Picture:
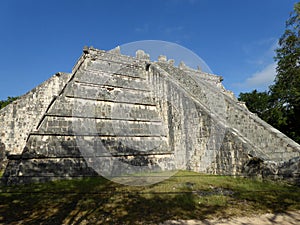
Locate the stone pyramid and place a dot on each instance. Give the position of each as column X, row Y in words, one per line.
column 116, row 115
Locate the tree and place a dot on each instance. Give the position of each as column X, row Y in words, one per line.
column 257, row 102
column 9, row 100
column 280, row 106
column 285, row 93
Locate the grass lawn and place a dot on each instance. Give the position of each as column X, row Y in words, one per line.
column 186, row 195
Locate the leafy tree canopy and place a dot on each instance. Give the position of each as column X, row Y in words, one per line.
column 9, row 100
column 256, row 102
column 280, row 106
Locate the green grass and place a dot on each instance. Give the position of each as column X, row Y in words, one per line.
column 186, row 195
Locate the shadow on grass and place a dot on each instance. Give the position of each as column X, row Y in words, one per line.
column 107, row 203
column 99, row 201
column 269, row 196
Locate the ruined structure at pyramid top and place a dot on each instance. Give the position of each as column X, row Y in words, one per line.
column 142, row 55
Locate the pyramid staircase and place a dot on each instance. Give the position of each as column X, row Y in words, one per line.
column 105, row 112
column 121, row 115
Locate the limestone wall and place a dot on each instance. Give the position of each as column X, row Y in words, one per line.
column 200, row 141
column 270, row 144
column 23, row 115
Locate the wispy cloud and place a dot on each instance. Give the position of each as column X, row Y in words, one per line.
column 259, row 57
column 261, row 52
column 176, row 33
column 261, row 79
column 175, row 29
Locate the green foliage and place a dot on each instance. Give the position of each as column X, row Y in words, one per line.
column 286, row 90
column 257, row 102
column 9, row 100
column 281, row 105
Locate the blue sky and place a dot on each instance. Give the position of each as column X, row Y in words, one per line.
column 236, row 38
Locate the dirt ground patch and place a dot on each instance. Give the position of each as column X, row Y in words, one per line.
column 288, row 218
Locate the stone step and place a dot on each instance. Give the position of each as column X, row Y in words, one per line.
column 186, row 83
column 125, row 73
column 48, row 146
column 111, row 67
column 139, row 87
column 283, row 156
column 209, row 95
column 111, row 80
column 112, row 94
column 40, row 170
column 74, row 107
column 108, row 56
column 100, row 127
column 46, row 169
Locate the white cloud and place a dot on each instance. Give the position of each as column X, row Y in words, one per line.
column 260, row 52
column 260, row 56
column 261, row 79
column 170, row 30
